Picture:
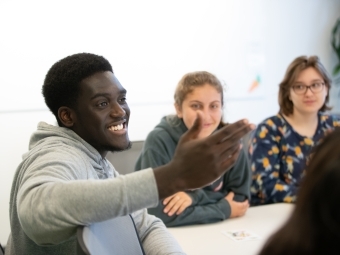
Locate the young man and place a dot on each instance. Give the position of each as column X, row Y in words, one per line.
column 65, row 180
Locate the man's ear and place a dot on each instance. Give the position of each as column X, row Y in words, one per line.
column 178, row 111
column 67, row 116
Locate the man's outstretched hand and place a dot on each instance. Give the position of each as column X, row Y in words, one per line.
column 198, row 162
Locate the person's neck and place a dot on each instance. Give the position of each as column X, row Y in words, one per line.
column 304, row 124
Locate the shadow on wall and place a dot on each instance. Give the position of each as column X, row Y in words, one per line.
column 124, row 161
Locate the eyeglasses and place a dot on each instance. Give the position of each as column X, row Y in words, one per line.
column 301, row 89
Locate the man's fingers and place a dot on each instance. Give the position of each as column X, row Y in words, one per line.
column 237, row 132
column 228, row 152
column 227, row 132
column 231, row 144
column 194, row 131
column 217, row 152
column 231, row 132
column 230, row 157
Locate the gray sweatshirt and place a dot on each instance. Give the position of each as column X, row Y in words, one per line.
column 63, row 182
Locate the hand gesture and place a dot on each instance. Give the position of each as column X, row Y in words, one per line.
column 188, row 168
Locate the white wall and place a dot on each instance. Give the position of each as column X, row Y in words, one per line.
column 150, row 45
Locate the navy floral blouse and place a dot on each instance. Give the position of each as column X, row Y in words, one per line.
column 279, row 156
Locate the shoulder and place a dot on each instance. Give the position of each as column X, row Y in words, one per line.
column 169, row 130
column 159, row 142
column 62, row 161
column 60, row 148
column 329, row 120
column 157, row 135
column 273, row 121
column 273, row 124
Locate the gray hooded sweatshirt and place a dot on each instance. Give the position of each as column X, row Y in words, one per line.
column 63, row 182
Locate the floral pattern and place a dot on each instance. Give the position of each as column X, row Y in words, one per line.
column 279, row 156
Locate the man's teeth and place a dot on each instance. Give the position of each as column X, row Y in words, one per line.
column 118, row 127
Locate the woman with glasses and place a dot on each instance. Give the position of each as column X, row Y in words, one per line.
column 281, row 144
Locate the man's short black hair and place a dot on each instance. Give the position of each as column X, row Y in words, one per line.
column 61, row 84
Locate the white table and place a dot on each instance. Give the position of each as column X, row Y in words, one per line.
column 208, row 239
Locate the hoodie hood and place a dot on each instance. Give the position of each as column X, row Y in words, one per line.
column 174, row 126
column 48, row 136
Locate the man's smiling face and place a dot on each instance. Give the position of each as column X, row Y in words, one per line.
column 102, row 113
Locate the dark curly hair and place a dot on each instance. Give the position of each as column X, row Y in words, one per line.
column 61, row 84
